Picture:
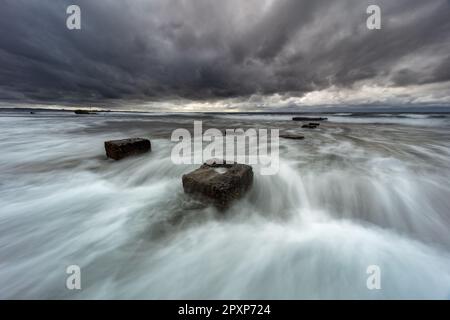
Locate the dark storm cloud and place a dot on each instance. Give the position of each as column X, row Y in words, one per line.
column 203, row 49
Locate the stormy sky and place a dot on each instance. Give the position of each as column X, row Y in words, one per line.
column 228, row 54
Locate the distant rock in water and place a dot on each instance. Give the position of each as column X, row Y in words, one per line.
column 292, row 136
column 119, row 149
column 219, row 182
column 83, row 112
column 308, row 119
column 310, row 125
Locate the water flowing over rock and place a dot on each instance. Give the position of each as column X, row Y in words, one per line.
column 219, row 182
column 336, row 205
column 119, row 149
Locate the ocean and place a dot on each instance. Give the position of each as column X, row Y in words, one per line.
column 362, row 189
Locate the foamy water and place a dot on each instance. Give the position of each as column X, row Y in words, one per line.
column 352, row 194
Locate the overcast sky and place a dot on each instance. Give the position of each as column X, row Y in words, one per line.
column 224, row 54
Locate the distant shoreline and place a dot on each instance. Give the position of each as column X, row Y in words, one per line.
column 396, row 110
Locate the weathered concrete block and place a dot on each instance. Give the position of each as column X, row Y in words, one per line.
column 219, row 183
column 119, row 149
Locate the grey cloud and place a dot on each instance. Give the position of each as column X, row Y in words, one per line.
column 206, row 50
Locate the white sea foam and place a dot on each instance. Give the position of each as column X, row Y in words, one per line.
column 339, row 203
